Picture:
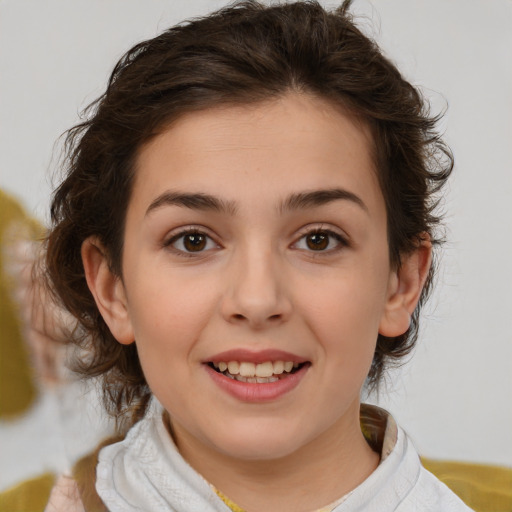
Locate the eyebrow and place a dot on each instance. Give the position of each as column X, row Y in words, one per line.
column 196, row 201
column 298, row 201
column 303, row 200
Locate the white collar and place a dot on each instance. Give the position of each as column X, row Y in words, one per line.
column 145, row 471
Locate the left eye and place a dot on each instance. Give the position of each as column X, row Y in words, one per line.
column 319, row 241
column 192, row 242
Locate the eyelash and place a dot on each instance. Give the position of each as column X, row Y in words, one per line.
column 340, row 241
column 170, row 243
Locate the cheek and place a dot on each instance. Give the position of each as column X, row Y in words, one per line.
column 348, row 303
column 344, row 314
column 168, row 312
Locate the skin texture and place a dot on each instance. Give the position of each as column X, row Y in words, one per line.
column 65, row 496
column 257, row 285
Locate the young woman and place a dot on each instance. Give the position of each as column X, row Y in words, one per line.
column 245, row 236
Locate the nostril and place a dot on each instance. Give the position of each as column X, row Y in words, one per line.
column 238, row 316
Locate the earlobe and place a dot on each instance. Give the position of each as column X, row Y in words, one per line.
column 107, row 290
column 404, row 290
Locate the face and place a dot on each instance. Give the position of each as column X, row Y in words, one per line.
column 256, row 275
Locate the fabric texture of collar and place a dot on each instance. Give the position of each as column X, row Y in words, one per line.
column 145, row 471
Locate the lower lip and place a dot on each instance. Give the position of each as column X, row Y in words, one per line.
column 256, row 392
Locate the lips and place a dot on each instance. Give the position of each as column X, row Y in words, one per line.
column 255, row 357
column 257, row 376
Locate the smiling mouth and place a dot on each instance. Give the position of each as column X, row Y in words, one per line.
column 262, row 373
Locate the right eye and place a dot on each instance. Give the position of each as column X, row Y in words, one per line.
column 190, row 242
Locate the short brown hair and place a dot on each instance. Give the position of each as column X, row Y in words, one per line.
column 242, row 54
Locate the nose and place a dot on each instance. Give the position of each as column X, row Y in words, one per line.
column 256, row 294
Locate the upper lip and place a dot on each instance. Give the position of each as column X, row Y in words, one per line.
column 255, row 357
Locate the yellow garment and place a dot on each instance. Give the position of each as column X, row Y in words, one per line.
column 484, row 488
column 29, row 496
column 17, row 388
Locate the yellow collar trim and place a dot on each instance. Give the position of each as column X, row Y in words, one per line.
column 233, row 506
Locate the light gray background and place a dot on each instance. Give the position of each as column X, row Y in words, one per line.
column 454, row 397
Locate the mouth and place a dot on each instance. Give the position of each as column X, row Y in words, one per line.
column 257, row 373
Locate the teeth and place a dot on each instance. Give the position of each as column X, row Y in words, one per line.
column 247, row 369
column 233, row 367
column 263, row 380
column 278, row 367
column 265, row 369
column 250, row 372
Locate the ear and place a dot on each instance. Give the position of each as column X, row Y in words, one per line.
column 404, row 289
column 108, row 290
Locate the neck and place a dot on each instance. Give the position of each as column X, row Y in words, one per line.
column 316, row 475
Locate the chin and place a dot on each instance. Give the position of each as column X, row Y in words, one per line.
column 258, row 451
column 259, row 442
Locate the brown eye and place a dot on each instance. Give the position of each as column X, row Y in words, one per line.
column 194, row 242
column 190, row 242
column 317, row 241
column 324, row 240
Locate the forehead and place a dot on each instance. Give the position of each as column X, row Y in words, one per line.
column 294, row 143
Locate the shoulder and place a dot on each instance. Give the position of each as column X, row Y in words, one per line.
column 431, row 495
column 481, row 486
